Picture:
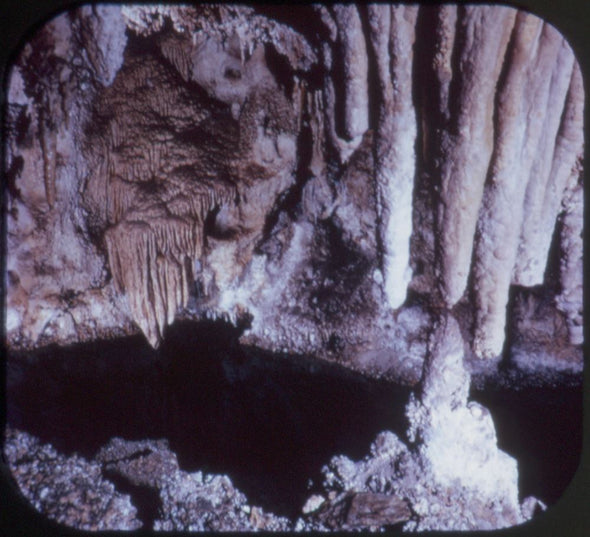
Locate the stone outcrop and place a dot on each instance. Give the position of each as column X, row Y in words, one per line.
column 83, row 494
column 70, row 490
column 329, row 187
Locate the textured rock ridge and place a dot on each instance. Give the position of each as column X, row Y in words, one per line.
column 328, row 186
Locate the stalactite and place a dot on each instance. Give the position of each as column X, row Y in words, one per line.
column 343, row 147
column 150, row 240
column 354, row 59
column 467, row 142
column 175, row 136
column 499, row 222
column 442, row 62
column 148, row 264
column 551, row 169
column 392, row 37
column 176, row 50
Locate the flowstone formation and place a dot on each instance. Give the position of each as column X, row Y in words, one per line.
column 167, row 155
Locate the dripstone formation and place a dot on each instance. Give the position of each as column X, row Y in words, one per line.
column 333, row 181
column 329, row 185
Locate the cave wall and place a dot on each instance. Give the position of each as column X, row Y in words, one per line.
column 328, row 178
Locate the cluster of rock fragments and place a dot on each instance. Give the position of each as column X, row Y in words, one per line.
column 82, row 493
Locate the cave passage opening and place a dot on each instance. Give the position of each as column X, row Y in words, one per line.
column 269, row 422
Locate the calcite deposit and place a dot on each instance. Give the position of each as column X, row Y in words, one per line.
column 220, row 161
column 449, row 476
column 397, row 189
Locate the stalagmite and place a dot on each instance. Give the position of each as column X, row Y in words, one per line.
column 392, row 38
column 467, row 143
column 499, row 223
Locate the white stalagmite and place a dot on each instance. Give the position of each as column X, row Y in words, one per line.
column 392, row 38
column 467, row 146
column 522, row 100
column 537, row 229
column 471, row 457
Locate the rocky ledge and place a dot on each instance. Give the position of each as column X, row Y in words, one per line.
column 329, row 186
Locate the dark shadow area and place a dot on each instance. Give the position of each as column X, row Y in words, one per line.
column 145, row 499
column 269, row 422
column 542, row 429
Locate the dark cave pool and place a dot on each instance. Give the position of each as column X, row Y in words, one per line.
column 269, row 422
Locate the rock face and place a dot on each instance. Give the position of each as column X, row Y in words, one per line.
column 70, row 490
column 328, row 186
